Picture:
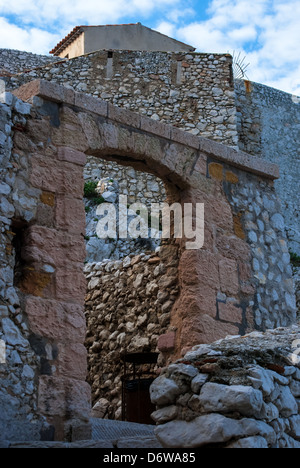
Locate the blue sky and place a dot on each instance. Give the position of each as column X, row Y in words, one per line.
column 266, row 32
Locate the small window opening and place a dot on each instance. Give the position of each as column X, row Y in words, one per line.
column 19, row 228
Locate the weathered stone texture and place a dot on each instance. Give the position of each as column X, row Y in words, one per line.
column 43, row 212
column 16, row 61
column 37, row 305
column 126, row 312
column 268, row 126
column 199, row 100
column 115, row 180
column 243, row 393
column 18, row 389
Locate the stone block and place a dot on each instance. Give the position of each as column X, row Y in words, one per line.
column 124, row 116
column 47, row 246
column 56, row 176
column 70, row 134
column 204, row 329
column 46, row 90
column 56, row 320
column 230, row 312
column 141, row 442
column 184, row 138
column 63, row 398
column 221, row 398
column 255, row 442
column 91, row 104
column 164, row 415
column 71, row 155
column 166, row 343
column 218, row 211
column 229, row 280
column 70, row 285
column 215, row 171
column 164, row 391
column 286, row 403
column 156, row 128
column 93, row 444
column 71, row 360
column 70, row 215
column 37, row 283
column 204, row 430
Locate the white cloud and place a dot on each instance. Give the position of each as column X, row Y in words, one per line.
column 78, row 12
column 37, row 25
column 266, row 31
column 29, row 40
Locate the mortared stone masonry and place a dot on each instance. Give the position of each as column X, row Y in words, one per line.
column 221, row 291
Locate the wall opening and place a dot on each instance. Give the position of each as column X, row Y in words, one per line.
column 19, row 229
column 132, row 285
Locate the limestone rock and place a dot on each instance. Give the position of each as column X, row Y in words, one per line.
column 100, row 408
column 249, row 443
column 164, row 415
column 164, row 391
column 12, row 333
column 204, row 430
column 221, row 398
column 286, row 403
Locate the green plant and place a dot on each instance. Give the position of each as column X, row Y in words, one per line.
column 295, row 259
column 91, row 193
column 90, row 189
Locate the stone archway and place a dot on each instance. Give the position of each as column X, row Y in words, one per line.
column 218, row 285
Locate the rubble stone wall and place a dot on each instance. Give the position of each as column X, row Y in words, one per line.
column 19, row 363
column 42, row 209
column 16, row 61
column 128, row 310
column 191, row 91
column 113, row 181
column 268, row 126
column 241, row 392
column 40, row 389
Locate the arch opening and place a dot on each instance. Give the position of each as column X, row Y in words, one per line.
column 132, row 285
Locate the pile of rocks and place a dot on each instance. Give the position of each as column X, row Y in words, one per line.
column 128, row 306
column 241, row 392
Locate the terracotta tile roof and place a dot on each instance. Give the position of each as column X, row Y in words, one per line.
column 67, row 40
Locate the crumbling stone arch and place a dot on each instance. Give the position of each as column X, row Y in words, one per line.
column 218, row 283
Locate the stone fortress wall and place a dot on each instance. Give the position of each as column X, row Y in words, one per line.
column 16, row 61
column 18, row 389
column 196, row 93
